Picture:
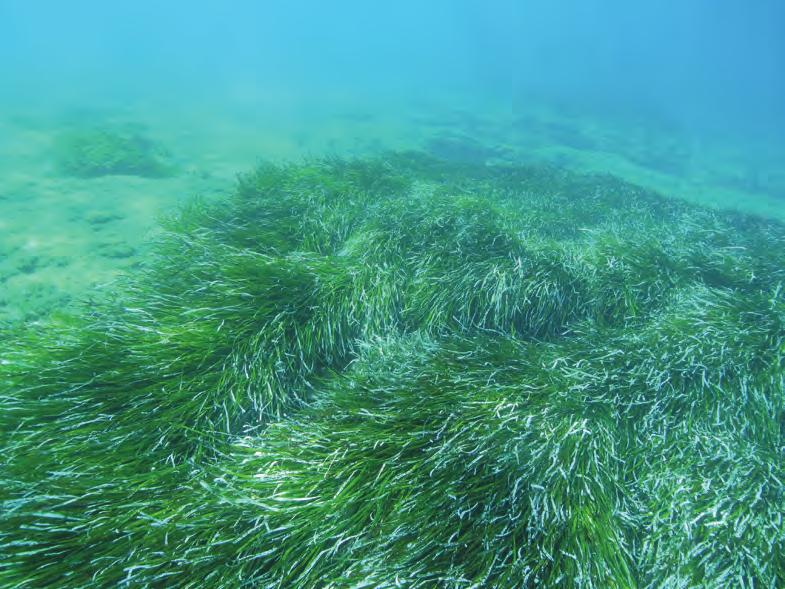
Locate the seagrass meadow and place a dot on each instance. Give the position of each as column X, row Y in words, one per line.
column 403, row 372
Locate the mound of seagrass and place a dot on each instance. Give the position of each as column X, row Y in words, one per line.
column 406, row 373
column 94, row 152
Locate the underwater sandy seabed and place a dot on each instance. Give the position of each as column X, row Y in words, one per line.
column 453, row 367
column 65, row 238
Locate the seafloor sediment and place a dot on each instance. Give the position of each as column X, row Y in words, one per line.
column 82, row 184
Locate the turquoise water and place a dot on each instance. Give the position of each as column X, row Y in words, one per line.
column 682, row 97
column 437, row 294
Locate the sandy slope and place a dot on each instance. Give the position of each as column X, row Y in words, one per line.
column 65, row 239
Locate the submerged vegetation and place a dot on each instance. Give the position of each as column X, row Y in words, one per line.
column 403, row 372
column 93, row 152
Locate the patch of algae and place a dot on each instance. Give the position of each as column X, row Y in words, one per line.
column 402, row 372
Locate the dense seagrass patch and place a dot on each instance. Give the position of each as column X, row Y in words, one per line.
column 403, row 372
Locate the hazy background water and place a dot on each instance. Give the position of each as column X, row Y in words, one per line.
column 707, row 64
column 686, row 97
